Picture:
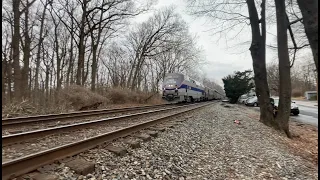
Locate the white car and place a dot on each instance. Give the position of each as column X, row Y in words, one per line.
column 253, row 101
column 294, row 107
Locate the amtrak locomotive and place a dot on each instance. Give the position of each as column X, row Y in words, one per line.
column 181, row 88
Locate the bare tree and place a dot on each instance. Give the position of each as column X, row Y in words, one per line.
column 120, row 11
column 298, row 40
column 302, row 77
column 58, row 43
column 41, row 38
column 16, row 38
column 15, row 49
column 117, row 65
column 212, row 84
column 229, row 15
column 183, row 56
column 309, row 10
column 153, row 34
column 273, row 78
column 284, row 68
column 151, row 50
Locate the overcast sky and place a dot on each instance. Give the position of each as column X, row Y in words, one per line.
column 221, row 59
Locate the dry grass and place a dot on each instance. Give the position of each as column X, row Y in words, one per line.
column 298, row 98
column 75, row 98
column 18, row 109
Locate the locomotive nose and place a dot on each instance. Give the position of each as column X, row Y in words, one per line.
column 170, row 89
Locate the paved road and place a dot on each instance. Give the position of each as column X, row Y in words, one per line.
column 308, row 115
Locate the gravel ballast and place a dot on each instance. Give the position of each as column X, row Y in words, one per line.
column 35, row 145
column 208, row 145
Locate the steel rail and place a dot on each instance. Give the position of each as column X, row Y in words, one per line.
column 31, row 162
column 9, row 122
column 24, row 136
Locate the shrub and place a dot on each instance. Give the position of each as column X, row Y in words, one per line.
column 313, row 98
column 237, row 84
column 296, row 93
column 124, row 95
column 78, row 97
column 117, row 95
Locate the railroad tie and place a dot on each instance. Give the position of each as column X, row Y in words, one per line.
column 133, row 143
column 120, row 151
column 143, row 136
column 161, row 129
column 81, row 166
column 152, row 133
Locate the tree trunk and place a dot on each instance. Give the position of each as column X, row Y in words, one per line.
column 70, row 64
column 284, row 107
column 85, row 72
column 258, row 54
column 15, row 50
column 26, row 56
column 131, row 72
column 58, row 59
column 69, row 79
column 39, row 50
column 81, row 45
column 95, row 45
column 3, row 88
column 47, row 84
column 309, row 10
column 136, row 72
column 9, row 79
column 94, row 67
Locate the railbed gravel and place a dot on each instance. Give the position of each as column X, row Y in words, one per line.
column 56, row 123
column 208, row 145
column 17, row 150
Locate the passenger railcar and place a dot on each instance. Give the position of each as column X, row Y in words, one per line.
column 209, row 94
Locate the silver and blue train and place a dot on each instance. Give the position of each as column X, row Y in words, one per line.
column 181, row 88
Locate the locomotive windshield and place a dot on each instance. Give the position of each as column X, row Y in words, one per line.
column 171, row 80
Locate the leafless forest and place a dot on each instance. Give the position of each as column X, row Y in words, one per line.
column 48, row 46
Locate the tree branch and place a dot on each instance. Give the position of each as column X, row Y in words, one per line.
column 295, row 21
column 26, row 7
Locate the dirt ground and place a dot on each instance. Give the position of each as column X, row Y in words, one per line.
column 304, row 142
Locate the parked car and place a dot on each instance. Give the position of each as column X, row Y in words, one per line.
column 253, row 101
column 242, row 99
column 294, row 108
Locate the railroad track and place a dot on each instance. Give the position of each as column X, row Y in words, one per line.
column 34, row 123
column 25, row 164
column 23, row 121
column 26, row 136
